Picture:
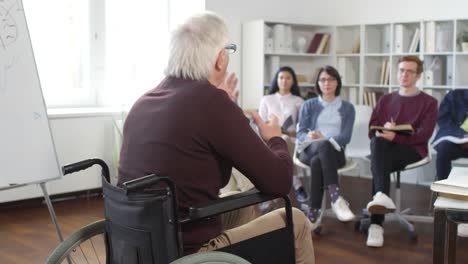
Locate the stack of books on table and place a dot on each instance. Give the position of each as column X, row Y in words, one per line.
column 455, row 186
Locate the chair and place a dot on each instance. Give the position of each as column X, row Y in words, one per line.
column 142, row 225
column 401, row 215
column 358, row 147
column 306, row 173
column 461, row 162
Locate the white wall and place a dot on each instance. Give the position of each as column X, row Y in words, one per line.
column 331, row 12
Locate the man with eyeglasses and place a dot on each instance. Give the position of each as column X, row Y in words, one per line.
column 190, row 129
column 392, row 151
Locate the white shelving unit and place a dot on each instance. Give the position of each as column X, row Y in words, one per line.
column 261, row 58
column 359, row 52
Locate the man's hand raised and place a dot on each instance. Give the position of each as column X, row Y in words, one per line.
column 267, row 129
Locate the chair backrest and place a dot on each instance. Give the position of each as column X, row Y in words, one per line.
column 141, row 221
column 359, row 146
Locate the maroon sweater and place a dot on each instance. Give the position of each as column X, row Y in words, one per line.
column 192, row 132
column 420, row 111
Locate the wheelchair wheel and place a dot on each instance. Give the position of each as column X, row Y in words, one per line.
column 86, row 245
column 211, row 257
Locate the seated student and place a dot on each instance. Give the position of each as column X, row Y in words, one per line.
column 284, row 101
column 391, row 151
column 322, row 120
column 452, row 121
column 190, row 129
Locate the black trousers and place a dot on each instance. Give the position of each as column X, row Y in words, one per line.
column 324, row 162
column 446, row 152
column 387, row 157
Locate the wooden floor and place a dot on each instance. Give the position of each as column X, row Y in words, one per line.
column 28, row 235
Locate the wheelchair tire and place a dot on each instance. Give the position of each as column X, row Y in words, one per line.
column 212, row 257
column 76, row 240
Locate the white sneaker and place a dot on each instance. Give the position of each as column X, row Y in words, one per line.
column 341, row 209
column 381, row 204
column 375, row 236
column 462, row 230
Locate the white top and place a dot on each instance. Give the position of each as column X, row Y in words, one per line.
column 329, row 120
column 282, row 106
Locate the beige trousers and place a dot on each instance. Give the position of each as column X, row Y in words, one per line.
column 264, row 224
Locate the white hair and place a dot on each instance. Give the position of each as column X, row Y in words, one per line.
column 195, row 45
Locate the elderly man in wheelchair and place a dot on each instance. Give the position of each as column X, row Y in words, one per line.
column 190, row 130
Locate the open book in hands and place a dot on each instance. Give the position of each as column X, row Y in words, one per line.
column 403, row 129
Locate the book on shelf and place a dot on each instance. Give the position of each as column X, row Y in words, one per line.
column 357, row 46
column 323, row 43
column 384, row 72
column 326, row 50
column 387, row 73
column 414, row 41
column 452, row 139
column 365, row 98
column 455, row 186
column 402, row 129
column 315, row 42
column 371, row 98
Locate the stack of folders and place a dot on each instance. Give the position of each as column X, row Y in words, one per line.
column 455, row 186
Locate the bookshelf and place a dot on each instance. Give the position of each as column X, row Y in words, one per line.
column 268, row 45
column 366, row 56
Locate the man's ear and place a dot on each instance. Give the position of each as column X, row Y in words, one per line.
column 220, row 61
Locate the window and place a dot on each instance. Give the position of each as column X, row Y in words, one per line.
column 102, row 53
column 59, row 31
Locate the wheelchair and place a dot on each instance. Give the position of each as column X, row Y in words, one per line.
column 142, row 226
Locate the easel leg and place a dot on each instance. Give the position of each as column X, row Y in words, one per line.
column 51, row 210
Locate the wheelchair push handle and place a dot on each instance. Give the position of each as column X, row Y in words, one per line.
column 145, row 182
column 84, row 164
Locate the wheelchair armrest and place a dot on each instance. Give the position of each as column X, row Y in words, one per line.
column 228, row 203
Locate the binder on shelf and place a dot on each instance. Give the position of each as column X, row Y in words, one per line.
column 399, row 38
column 429, row 78
column 435, row 72
column 386, row 40
column 353, row 95
column 449, row 71
column 279, row 37
column 346, row 71
column 315, row 42
column 443, row 38
column 341, row 67
column 430, row 36
column 269, row 45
